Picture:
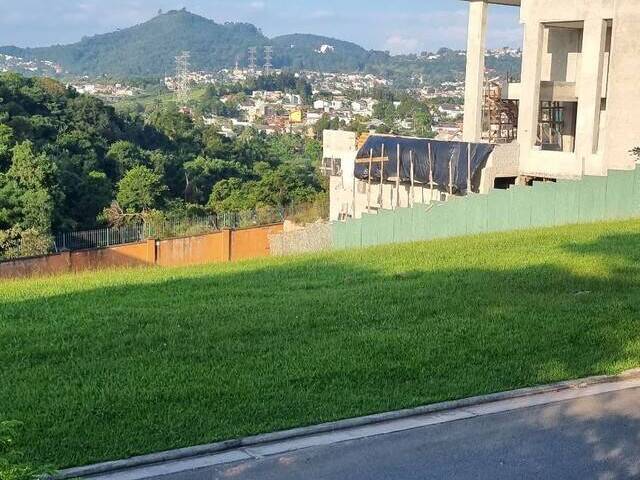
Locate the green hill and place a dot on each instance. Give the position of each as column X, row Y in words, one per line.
column 149, row 49
column 313, row 52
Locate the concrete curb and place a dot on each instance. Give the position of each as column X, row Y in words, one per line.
column 221, row 447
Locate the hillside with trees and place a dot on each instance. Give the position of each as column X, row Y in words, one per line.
column 149, row 50
column 67, row 160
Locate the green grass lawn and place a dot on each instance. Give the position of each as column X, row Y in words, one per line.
column 107, row 365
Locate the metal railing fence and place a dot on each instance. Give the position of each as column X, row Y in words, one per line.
column 99, row 238
column 165, row 228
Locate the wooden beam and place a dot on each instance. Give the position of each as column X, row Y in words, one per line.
column 365, row 161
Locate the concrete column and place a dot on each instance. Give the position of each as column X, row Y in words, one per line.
column 623, row 90
column 569, row 140
column 589, row 90
column 474, row 88
column 152, row 251
column 226, row 245
column 530, row 89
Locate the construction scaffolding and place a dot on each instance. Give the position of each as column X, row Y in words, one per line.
column 500, row 116
column 551, row 126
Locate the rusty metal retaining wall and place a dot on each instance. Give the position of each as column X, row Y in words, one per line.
column 223, row 246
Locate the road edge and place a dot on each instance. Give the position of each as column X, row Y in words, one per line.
column 256, row 440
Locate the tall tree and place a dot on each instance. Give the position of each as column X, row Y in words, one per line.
column 140, row 190
column 34, row 177
column 123, row 156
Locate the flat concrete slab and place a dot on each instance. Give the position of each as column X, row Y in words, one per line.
column 168, row 469
column 531, row 432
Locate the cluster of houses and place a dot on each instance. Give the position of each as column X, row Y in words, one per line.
column 338, row 83
column 10, row 63
column 107, row 91
column 280, row 112
column 268, row 111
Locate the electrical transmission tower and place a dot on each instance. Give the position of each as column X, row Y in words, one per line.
column 253, row 58
column 268, row 57
column 182, row 77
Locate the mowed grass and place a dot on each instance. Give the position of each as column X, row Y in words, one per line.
column 107, row 365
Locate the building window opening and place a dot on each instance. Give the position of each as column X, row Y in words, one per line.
column 557, row 126
column 562, row 52
column 331, row 167
column 504, row 183
column 531, row 181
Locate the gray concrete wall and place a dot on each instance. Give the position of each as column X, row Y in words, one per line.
column 623, row 97
column 312, row 238
column 341, row 145
column 503, row 162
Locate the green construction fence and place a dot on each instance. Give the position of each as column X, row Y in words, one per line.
column 548, row 204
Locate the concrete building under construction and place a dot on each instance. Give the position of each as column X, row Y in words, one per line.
column 577, row 100
column 572, row 113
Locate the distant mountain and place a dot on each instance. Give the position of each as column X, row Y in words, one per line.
column 313, row 52
column 149, row 49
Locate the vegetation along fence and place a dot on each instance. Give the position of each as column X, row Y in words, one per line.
column 615, row 196
column 164, row 228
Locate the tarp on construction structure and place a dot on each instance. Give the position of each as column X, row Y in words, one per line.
column 447, row 166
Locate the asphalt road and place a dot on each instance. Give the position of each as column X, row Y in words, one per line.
column 596, row 437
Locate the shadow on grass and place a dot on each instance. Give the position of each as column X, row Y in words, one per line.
column 215, row 354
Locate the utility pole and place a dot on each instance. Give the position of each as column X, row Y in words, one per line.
column 182, row 78
column 253, row 56
column 268, row 57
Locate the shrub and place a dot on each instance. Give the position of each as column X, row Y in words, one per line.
column 16, row 243
column 310, row 212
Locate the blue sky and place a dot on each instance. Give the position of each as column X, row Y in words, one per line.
column 401, row 26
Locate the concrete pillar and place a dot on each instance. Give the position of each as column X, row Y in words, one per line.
column 152, row 251
column 623, row 91
column 530, row 89
column 226, row 245
column 474, row 88
column 589, row 91
column 568, row 138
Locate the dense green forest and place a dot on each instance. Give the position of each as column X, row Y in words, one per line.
column 66, row 159
column 149, row 50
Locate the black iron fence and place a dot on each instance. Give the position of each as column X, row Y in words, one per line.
column 98, row 238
